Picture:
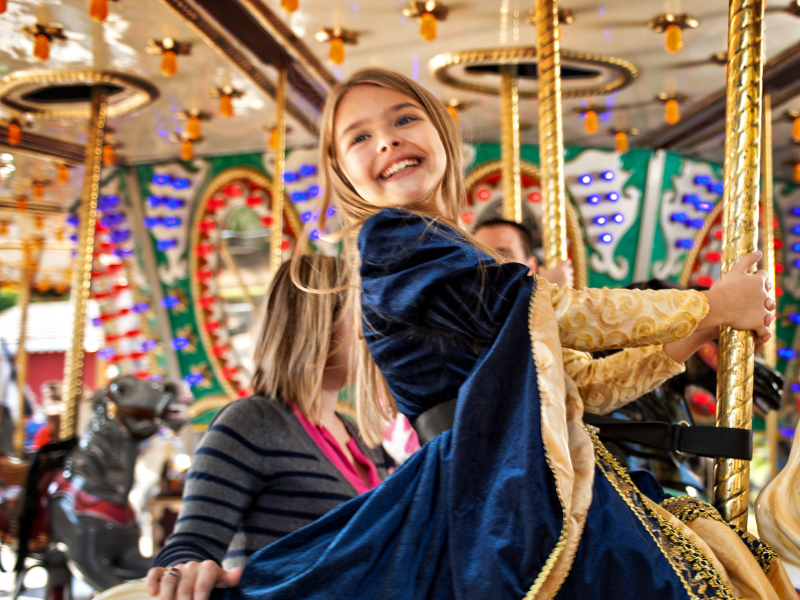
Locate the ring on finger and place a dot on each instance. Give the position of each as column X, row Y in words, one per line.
column 174, row 572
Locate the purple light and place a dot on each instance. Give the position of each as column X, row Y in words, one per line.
column 307, row 170
column 593, row 199
column 73, row 237
column 330, row 212
column 180, row 183
column 786, row 353
column 106, row 353
column 152, row 222
column 618, row 218
column 796, row 230
column 313, row 191
column 140, row 308
column 606, row 238
column 290, row 177
column 299, row 196
column 795, row 318
column 585, row 179
column 155, row 201
column 703, row 180
column 193, row 378
column 97, row 322
column 166, row 244
column 679, row 217
column 172, row 222
column 314, row 235
column 696, row 223
column 161, row 179
column 306, row 216
column 600, row 220
column 686, row 244
column 73, row 220
column 607, row 175
column 122, row 252
column 704, row 206
column 795, row 387
column 113, row 219
column 120, row 236
column 170, row 302
column 149, row 345
column 107, row 202
column 796, row 211
column 691, row 198
column 174, row 203
column 179, row 343
column 716, row 188
column 612, row 196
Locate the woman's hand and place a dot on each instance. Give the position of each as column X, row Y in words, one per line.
column 190, row 581
column 741, row 300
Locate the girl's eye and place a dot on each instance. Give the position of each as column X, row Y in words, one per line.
column 404, row 120
column 359, row 138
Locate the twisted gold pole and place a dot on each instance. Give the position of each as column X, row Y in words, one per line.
column 277, row 178
column 551, row 134
column 770, row 348
column 739, row 236
column 22, row 353
column 509, row 114
column 81, row 276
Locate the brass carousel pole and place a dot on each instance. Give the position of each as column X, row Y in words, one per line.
column 509, row 114
column 770, row 349
column 739, row 236
column 551, row 134
column 81, row 277
column 277, row 177
column 22, row 354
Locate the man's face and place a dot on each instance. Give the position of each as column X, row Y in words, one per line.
column 506, row 240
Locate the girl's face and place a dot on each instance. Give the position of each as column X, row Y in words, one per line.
column 388, row 149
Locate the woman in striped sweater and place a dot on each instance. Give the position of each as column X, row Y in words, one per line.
column 278, row 460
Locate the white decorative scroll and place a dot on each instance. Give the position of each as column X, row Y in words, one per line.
column 177, row 266
column 778, row 513
column 607, row 220
column 672, row 202
column 788, row 201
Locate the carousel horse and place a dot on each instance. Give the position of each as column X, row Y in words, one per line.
column 689, row 397
column 778, row 512
column 75, row 510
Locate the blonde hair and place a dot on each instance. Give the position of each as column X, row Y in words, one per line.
column 295, row 339
column 374, row 403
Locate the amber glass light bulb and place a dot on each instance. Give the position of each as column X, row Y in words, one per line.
column 41, row 47
column 672, row 112
column 796, row 130
column 62, row 175
column 273, row 139
column 453, row 112
column 796, row 177
column 38, row 222
column 225, row 106
column 621, row 142
column 3, row 227
column 336, row 54
column 591, row 121
column 427, row 27
column 187, row 150
column 193, row 131
column 22, row 204
column 290, row 5
column 38, row 190
column 14, row 134
column 109, row 155
column 98, row 10
column 59, row 235
column 169, row 63
column 673, row 39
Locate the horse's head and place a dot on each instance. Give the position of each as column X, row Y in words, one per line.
column 142, row 406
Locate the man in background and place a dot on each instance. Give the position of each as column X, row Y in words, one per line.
column 518, row 243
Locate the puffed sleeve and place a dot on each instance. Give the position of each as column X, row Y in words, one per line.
column 603, row 319
column 605, row 384
column 419, row 272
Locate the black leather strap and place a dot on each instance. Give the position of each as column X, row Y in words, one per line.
column 435, row 421
column 717, row 442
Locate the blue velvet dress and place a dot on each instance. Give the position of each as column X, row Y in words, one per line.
column 476, row 512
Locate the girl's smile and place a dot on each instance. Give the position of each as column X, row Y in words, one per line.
column 388, row 148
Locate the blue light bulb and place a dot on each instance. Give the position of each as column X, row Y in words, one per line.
column 606, row 238
column 607, row 175
column 600, row 220
column 585, row 179
column 593, row 199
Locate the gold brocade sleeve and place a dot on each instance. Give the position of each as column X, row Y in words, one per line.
column 607, row 383
column 604, row 319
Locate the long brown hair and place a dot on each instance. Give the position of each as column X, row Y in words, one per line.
column 374, row 403
column 295, row 339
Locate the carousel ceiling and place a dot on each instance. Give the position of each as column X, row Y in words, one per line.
column 616, row 64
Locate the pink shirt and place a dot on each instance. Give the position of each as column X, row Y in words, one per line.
column 330, row 447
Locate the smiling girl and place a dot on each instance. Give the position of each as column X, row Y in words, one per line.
column 512, row 497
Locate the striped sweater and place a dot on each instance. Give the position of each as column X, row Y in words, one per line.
column 256, row 477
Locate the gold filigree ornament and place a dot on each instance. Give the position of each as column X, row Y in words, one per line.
column 126, row 93
column 466, row 70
